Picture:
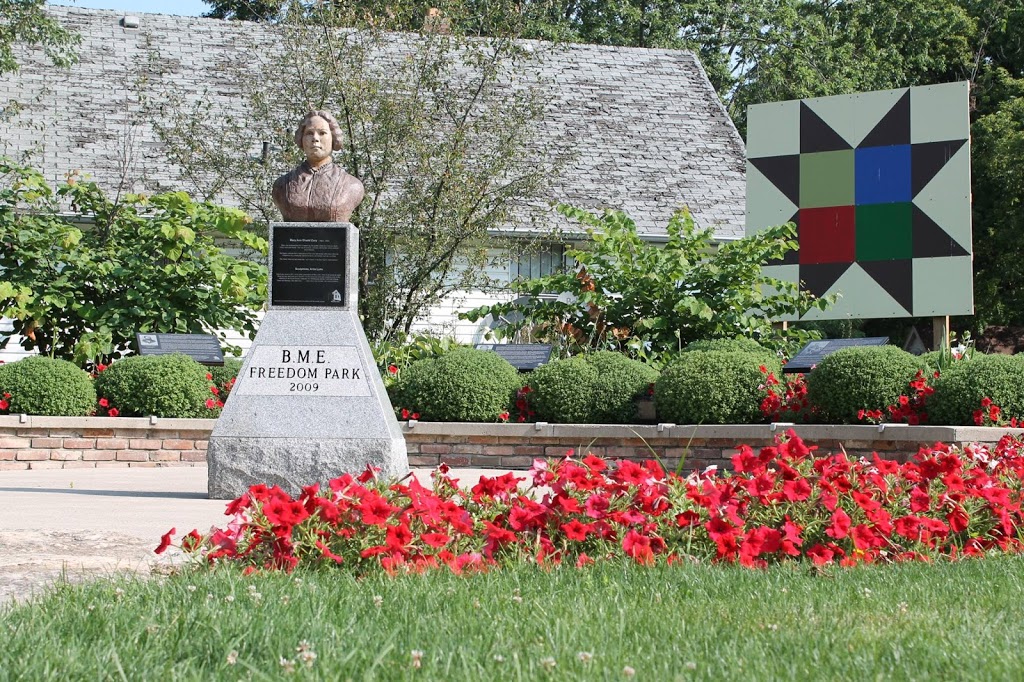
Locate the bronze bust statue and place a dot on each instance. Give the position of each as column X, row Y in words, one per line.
column 317, row 190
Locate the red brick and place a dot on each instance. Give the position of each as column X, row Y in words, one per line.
column 533, row 450
column 482, row 439
column 166, row 456
column 33, row 433
column 558, row 451
column 499, row 450
column 435, row 449
column 14, row 443
column 111, row 443
column 7, row 455
column 193, row 456
column 98, row 455
column 202, row 444
column 32, row 455
column 144, row 444
column 79, row 465
column 170, row 444
column 13, row 466
column 80, row 443
column 456, row 461
column 97, row 433
column 63, row 455
column 132, row 456
column 46, row 442
column 423, row 461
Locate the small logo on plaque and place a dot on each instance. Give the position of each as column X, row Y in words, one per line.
column 335, row 296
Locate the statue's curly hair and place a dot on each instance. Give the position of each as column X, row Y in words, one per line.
column 332, row 123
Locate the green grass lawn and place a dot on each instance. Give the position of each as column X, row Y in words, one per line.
column 941, row 622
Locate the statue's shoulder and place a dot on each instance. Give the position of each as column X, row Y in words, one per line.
column 286, row 178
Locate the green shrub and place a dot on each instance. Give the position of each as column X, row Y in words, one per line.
column 620, row 380
column 223, row 374
column 860, row 378
column 562, row 391
column 162, row 385
column 712, row 387
column 740, row 345
column 959, row 389
column 45, row 386
column 463, row 385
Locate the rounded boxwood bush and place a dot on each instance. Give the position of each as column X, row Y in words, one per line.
column 562, row 391
column 712, row 387
column 463, row 385
column 47, row 386
column 743, row 345
column 860, row 378
column 620, row 380
column 960, row 389
column 171, row 386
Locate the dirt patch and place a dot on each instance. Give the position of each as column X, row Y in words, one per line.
column 32, row 561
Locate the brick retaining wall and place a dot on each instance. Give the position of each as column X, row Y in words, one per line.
column 68, row 442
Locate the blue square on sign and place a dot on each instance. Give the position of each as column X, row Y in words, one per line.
column 882, row 174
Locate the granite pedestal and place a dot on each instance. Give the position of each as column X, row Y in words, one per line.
column 308, row 404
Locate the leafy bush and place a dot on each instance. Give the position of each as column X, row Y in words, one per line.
column 45, row 386
column 738, row 345
column 626, row 293
column 394, row 356
column 463, row 385
column 147, row 264
column 162, row 385
column 620, row 380
column 961, row 387
column 860, row 378
column 712, row 387
column 562, row 391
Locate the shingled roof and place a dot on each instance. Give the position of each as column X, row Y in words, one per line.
column 650, row 132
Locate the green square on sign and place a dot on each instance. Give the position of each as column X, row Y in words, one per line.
column 827, row 179
column 885, row 231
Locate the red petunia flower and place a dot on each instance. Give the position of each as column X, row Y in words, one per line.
column 113, row 412
column 165, row 541
column 104, row 402
column 820, row 555
column 576, row 531
column 840, row 526
column 392, row 370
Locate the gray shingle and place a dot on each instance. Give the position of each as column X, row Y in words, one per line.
column 651, row 134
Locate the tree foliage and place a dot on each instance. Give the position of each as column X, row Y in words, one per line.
column 25, row 22
column 769, row 50
column 628, row 294
column 440, row 129
column 145, row 264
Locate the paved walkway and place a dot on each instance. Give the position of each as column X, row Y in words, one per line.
column 85, row 522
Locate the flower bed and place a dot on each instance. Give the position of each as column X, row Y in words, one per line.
column 779, row 504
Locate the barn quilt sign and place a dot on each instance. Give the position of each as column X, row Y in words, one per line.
column 879, row 186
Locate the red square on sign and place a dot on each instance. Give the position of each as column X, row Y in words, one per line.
column 828, row 235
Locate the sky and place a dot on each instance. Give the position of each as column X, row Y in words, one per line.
column 193, row 8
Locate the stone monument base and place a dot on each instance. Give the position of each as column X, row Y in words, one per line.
column 275, row 429
column 308, row 404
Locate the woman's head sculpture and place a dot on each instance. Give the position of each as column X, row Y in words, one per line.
column 318, row 190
